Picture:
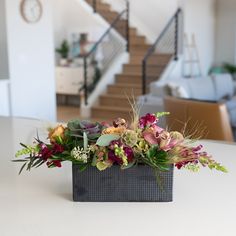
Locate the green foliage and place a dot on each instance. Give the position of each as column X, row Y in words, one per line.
column 76, row 129
column 27, row 150
column 161, row 114
column 205, row 161
column 192, row 167
column 64, row 49
column 157, row 158
column 106, row 139
column 230, row 68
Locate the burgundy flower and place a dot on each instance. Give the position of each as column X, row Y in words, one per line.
column 115, row 159
column 146, row 120
column 180, row 165
column 115, row 142
column 45, row 153
column 56, row 163
column 57, row 148
column 129, row 153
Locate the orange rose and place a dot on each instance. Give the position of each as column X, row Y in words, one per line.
column 113, row 130
column 57, row 133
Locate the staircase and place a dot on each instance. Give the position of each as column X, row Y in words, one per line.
column 128, row 84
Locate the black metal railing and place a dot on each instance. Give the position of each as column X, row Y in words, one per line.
column 165, row 48
column 123, row 25
column 105, row 50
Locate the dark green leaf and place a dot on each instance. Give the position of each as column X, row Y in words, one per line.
column 19, row 160
column 23, row 145
column 21, row 169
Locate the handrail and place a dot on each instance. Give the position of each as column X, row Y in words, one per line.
column 105, row 34
column 174, row 19
column 152, row 48
column 127, row 11
column 96, row 45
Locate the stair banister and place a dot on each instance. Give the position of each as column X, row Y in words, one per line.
column 174, row 20
column 125, row 13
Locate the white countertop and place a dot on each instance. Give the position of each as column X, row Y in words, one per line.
column 40, row 203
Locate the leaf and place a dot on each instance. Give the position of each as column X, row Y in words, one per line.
column 40, row 164
column 73, row 125
column 21, row 169
column 82, row 167
column 106, row 139
column 37, row 162
column 94, row 136
column 94, row 161
column 152, row 152
column 19, row 160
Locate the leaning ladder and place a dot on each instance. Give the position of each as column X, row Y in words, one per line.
column 191, row 61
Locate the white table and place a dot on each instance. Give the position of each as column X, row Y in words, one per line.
column 40, row 203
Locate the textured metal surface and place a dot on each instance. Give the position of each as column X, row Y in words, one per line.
column 138, row 184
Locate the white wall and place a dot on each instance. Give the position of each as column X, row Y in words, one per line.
column 3, row 43
column 199, row 19
column 73, row 17
column 4, row 98
column 31, row 63
column 226, row 31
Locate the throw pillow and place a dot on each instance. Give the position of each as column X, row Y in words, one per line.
column 178, row 91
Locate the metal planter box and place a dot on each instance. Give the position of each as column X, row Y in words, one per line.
column 137, row 184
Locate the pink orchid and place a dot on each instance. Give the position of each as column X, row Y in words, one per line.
column 151, row 134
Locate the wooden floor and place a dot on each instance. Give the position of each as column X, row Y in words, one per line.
column 66, row 113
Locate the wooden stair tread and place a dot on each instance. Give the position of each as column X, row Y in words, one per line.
column 126, row 85
column 116, row 96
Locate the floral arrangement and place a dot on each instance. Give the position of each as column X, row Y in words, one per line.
column 101, row 146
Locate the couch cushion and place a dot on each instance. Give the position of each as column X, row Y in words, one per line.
column 231, row 104
column 224, row 86
column 202, row 89
column 159, row 89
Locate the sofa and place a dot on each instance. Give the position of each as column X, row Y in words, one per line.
column 208, row 101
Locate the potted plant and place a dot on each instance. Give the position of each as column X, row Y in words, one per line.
column 64, row 52
column 117, row 162
column 230, row 69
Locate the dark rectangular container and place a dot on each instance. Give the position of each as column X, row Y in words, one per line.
column 137, row 184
